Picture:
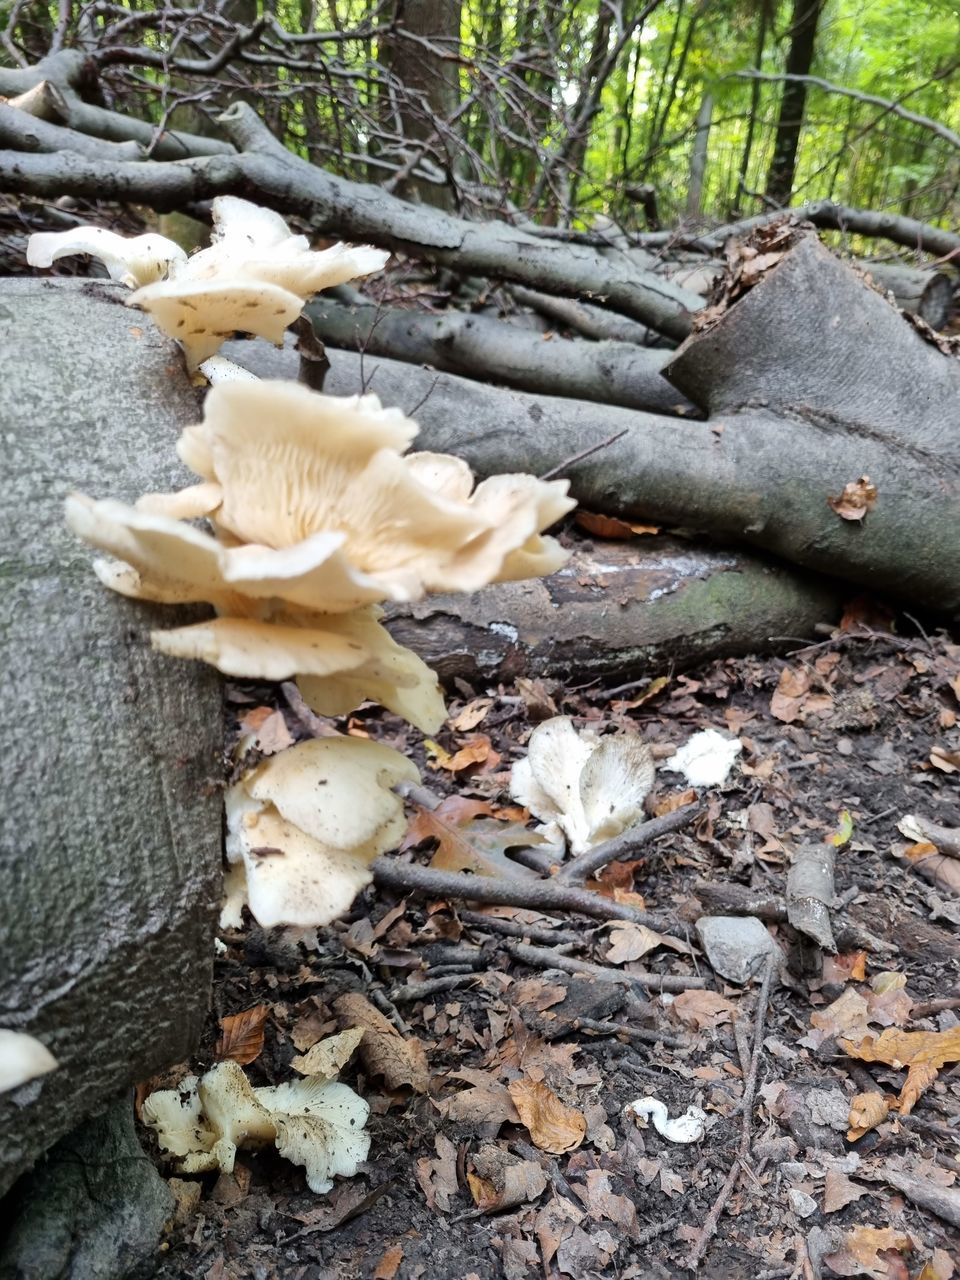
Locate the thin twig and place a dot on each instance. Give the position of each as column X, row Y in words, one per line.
column 409, row 877
column 546, row 958
column 550, row 935
column 743, row 1150
column 578, row 869
column 567, row 463
column 644, row 1034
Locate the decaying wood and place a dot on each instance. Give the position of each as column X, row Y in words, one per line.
column 810, row 893
column 928, row 294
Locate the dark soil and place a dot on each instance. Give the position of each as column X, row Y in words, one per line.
column 865, row 723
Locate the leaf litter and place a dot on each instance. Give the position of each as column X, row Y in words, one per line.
column 498, row 1091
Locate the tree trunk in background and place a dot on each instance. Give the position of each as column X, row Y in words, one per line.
column 754, row 103
column 429, row 73
column 803, row 39
column 698, row 161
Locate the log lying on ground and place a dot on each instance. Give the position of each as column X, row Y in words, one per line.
column 811, row 380
column 265, row 171
column 110, row 853
column 482, row 347
column 928, row 294
column 619, row 609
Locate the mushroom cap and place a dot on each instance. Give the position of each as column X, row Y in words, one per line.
column 132, row 262
column 307, row 823
column 22, row 1058
column 591, row 788
column 320, row 1125
column 203, row 314
column 176, row 1116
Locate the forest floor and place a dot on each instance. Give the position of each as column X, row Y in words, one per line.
column 840, row 739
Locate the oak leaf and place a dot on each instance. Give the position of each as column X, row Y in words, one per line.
column 553, row 1126
column 923, row 1053
column 470, row 838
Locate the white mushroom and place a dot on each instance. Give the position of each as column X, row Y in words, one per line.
column 132, row 262
column 307, row 823
column 316, row 1122
column 589, row 788
column 705, row 760
column 22, row 1058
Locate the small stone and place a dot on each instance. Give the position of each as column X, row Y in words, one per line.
column 736, row 946
column 828, row 1107
column 801, row 1204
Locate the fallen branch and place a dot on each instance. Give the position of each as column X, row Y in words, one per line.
column 579, row 869
column 481, row 347
column 547, row 958
column 743, row 1150
column 408, row 877
column 264, row 170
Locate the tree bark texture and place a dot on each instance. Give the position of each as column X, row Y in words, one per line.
column 482, row 347
column 110, row 848
column 803, row 39
column 928, row 294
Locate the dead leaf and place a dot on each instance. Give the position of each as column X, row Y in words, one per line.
column 328, row 1057
column 945, row 760
column 438, row 1178
column 471, row 715
column 602, row 526
column 241, row 1036
column 602, row 1202
column 501, row 1181
column 867, row 1110
column 671, row 803
column 858, row 497
column 553, row 1126
column 929, row 862
column 488, row 1102
column 633, row 941
column 478, row 750
column 384, row 1051
column 793, row 699
column 700, row 1009
column 470, row 838
column 860, row 1253
column 269, row 729
column 537, row 699
column 389, row 1264
column 839, row 1191
column 923, row 1053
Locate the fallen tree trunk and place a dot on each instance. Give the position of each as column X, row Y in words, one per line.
column 110, row 852
column 619, row 609
column 811, row 381
column 481, row 347
column 928, row 294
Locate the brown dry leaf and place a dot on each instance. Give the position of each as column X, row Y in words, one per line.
column 602, row 1202
column 867, row 1110
column 553, row 1126
column 328, row 1057
column 478, row 750
column 488, row 1102
column 839, row 1191
column 929, row 862
column 438, row 1178
column 860, row 1253
column 502, row 1181
column 537, row 993
column 845, row 967
column 699, row 1009
column 788, row 697
column 537, row 699
column 610, row 526
column 846, row 1016
column 470, row 838
column 888, row 1002
column 858, row 497
column 633, row 941
column 945, row 760
column 922, row 1052
column 670, row 804
column 241, row 1036
column 471, row 715
column 384, row 1051
column 389, row 1264
column 269, row 729
column 940, row 1267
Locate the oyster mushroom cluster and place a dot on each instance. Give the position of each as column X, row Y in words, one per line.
column 254, row 278
column 318, row 514
column 317, row 1122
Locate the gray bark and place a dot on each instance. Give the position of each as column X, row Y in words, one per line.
column 110, row 847
column 928, row 294
column 482, row 347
